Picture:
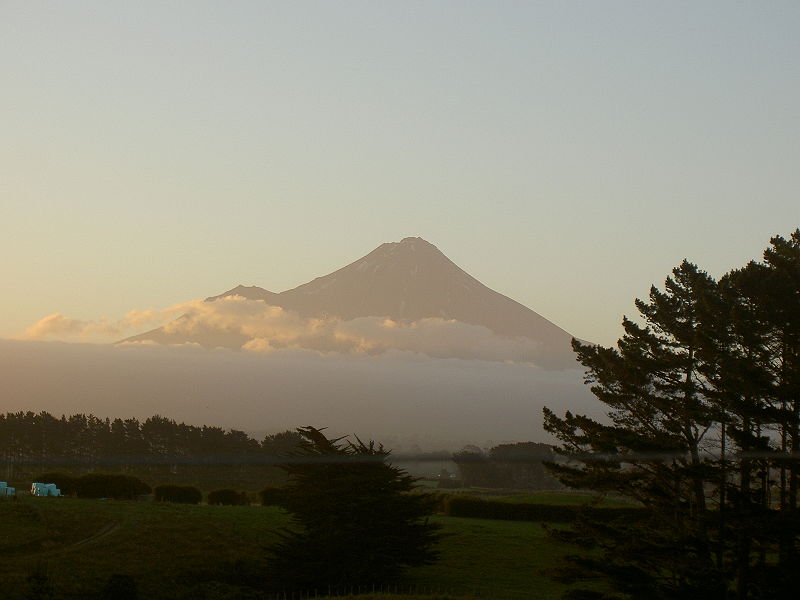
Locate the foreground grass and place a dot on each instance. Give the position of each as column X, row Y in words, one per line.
column 185, row 551
column 164, row 547
column 494, row 559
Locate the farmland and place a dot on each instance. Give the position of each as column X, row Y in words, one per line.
column 70, row 548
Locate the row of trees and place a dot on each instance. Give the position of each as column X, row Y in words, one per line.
column 33, row 442
column 703, row 392
column 518, row 466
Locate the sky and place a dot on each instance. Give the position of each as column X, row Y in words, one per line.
column 566, row 154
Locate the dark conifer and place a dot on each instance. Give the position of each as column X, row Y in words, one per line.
column 704, row 413
column 358, row 524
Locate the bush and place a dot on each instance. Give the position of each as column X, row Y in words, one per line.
column 110, row 485
column 68, row 484
column 437, row 501
column 182, row 494
column 227, row 497
column 271, row 496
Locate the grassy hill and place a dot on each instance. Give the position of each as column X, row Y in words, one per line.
column 187, row 551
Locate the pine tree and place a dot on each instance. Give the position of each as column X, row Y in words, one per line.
column 704, row 419
column 357, row 522
column 660, row 412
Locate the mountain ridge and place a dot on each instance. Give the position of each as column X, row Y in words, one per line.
column 404, row 281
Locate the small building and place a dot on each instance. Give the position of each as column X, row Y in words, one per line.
column 7, row 491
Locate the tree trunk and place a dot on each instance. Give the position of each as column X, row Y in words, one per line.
column 743, row 541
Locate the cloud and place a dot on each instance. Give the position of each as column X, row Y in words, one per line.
column 58, row 325
column 257, row 327
column 436, row 337
column 53, row 324
column 61, row 327
column 250, row 318
column 265, row 328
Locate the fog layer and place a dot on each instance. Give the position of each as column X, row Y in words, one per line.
column 399, row 396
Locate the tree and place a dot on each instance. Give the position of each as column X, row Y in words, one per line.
column 517, row 466
column 651, row 449
column 474, row 467
column 704, row 410
column 357, row 522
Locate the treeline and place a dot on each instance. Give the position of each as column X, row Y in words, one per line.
column 518, row 466
column 158, row 449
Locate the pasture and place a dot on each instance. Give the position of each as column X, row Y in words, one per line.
column 71, row 547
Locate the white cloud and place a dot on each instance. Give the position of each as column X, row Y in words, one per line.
column 257, row 327
column 60, row 327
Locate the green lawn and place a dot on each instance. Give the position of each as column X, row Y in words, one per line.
column 493, row 559
column 163, row 546
column 184, row 551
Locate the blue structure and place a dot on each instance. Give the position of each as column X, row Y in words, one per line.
column 44, row 489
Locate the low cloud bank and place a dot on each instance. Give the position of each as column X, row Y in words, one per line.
column 60, row 327
column 254, row 326
column 398, row 395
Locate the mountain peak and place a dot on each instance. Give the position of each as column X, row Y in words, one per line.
column 252, row 292
column 412, row 244
column 408, row 281
column 412, row 241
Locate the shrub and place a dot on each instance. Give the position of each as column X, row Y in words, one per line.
column 227, row 497
column 110, row 485
column 182, row 494
column 68, row 484
column 437, row 501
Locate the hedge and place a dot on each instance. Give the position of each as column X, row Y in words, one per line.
column 68, row 484
column 110, row 485
column 227, row 497
column 437, row 500
column 471, row 506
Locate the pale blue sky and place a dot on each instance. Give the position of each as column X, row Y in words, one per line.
column 567, row 154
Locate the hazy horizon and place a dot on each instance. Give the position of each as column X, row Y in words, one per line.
column 564, row 155
column 435, row 403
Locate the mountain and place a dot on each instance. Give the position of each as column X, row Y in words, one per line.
column 405, row 281
column 252, row 292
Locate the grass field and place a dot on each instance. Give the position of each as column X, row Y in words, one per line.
column 186, row 551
